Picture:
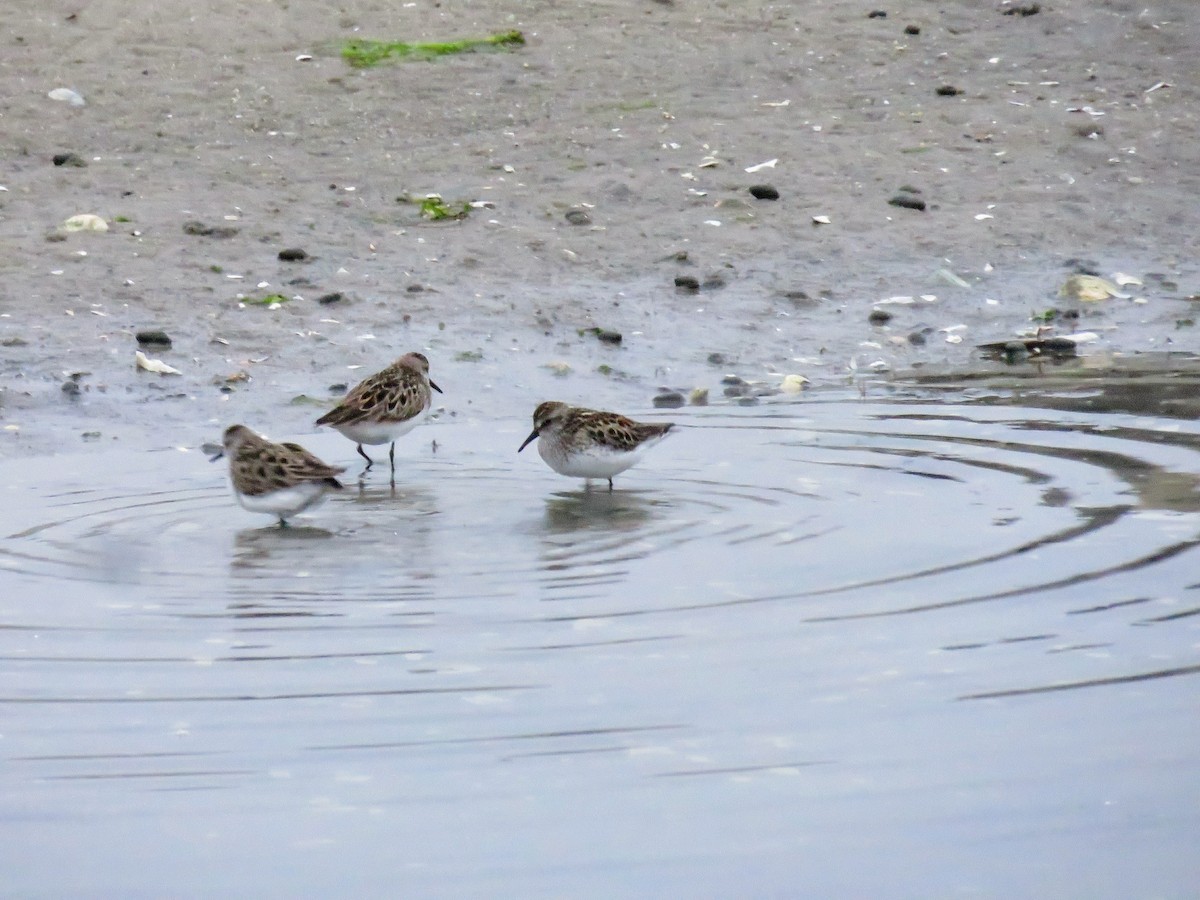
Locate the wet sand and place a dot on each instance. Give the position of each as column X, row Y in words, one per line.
column 1054, row 154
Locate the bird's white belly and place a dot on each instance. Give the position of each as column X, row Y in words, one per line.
column 286, row 501
column 377, row 432
column 595, row 462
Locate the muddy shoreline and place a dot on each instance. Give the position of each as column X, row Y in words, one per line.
column 1066, row 146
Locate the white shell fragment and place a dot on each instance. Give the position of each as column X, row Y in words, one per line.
column 85, row 222
column 146, row 364
column 709, row 162
column 793, row 384
column 822, row 220
column 769, row 164
column 66, row 95
column 1090, row 288
column 1124, row 280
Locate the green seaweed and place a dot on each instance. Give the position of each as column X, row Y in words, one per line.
column 436, row 208
column 362, row 53
column 267, row 300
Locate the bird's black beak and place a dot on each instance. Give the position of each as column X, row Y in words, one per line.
column 532, row 437
column 435, row 387
column 212, row 451
column 216, row 456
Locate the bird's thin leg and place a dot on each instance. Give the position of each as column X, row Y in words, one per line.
column 610, row 485
column 392, row 457
column 370, row 462
column 283, row 522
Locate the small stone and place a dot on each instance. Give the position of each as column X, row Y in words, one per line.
column 718, row 359
column 733, row 380
column 292, row 254
column 948, row 90
column 1023, row 10
column 607, row 337
column 688, row 283
column 698, row 397
column 70, row 159
column 877, row 14
column 71, row 388
column 713, row 280
column 154, row 338
column 91, row 435
column 912, row 29
column 879, row 317
column 669, row 400
column 334, row 297
column 763, row 192
column 578, row 217
column 917, row 338
column 908, row 201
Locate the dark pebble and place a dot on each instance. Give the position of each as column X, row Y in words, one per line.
column 153, row 338
column 334, row 297
column 948, row 90
column 339, row 388
column 879, row 317
column 917, row 338
column 71, row 388
column 733, row 379
column 669, row 400
column 877, row 14
column 747, row 401
column 912, row 29
column 1024, row 10
column 763, row 192
column 607, row 337
column 687, row 283
column 908, row 201
column 415, row 289
column 292, row 254
column 203, row 230
column 713, row 281
column 718, row 359
column 578, row 217
column 70, row 159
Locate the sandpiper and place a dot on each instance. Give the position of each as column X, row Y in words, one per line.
column 588, row 443
column 281, row 479
column 384, row 406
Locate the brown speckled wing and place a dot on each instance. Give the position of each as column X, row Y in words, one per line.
column 261, row 467
column 615, row 431
column 393, row 395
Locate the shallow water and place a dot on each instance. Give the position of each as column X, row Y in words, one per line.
column 835, row 647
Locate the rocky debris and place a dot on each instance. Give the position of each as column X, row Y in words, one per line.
column 687, row 283
column 877, row 14
column 605, row 336
column 668, row 399
column 293, row 254
column 578, row 216
column 879, row 317
column 1024, row 10
column 333, row 297
column 73, row 160
column 154, row 338
column 907, row 198
column 763, row 192
column 912, row 29
column 196, row 227
column 948, row 90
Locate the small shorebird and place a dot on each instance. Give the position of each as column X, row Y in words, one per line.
column 280, row 479
column 588, row 443
column 384, row 406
